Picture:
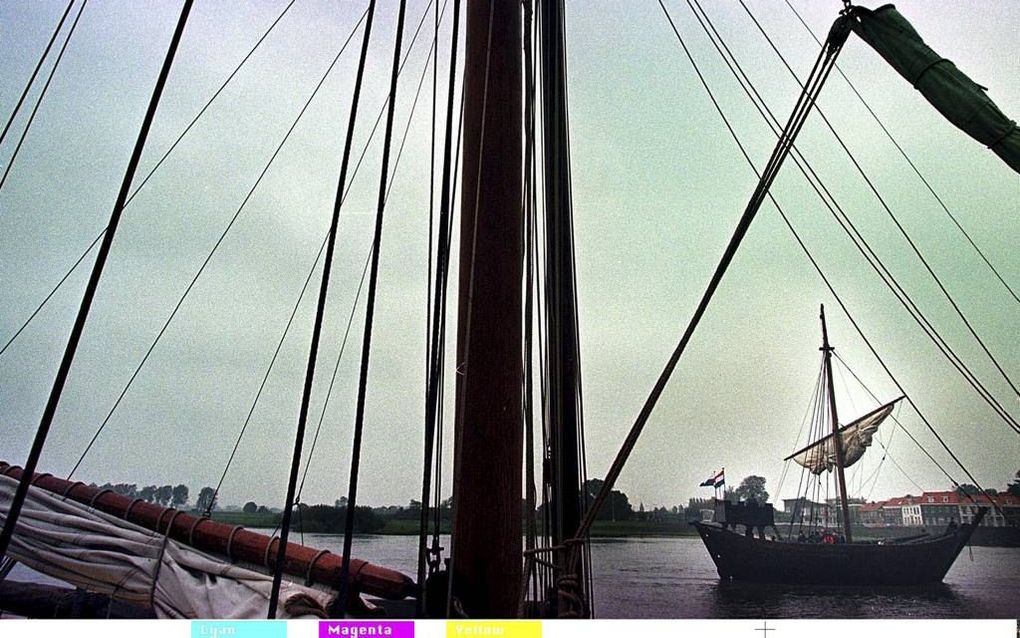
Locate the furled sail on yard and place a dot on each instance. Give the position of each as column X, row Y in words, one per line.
column 102, row 553
column 961, row 100
column 855, row 438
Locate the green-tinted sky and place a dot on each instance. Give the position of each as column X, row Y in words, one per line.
column 658, row 187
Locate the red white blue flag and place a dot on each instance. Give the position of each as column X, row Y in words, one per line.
column 717, row 480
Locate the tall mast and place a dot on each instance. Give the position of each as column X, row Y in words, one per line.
column 837, row 443
column 486, row 545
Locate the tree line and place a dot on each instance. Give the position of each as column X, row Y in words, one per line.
column 163, row 495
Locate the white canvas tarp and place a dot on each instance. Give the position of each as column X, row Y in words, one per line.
column 98, row 552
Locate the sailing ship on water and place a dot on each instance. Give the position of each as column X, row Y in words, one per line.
column 488, row 571
column 738, row 544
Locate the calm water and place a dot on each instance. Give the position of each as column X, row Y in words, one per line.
column 675, row 578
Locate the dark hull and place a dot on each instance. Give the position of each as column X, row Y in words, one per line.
column 917, row 562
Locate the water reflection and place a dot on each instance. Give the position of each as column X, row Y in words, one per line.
column 746, row 600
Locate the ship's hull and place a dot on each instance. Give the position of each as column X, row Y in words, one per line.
column 919, row 561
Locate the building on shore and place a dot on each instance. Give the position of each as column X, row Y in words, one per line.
column 937, row 509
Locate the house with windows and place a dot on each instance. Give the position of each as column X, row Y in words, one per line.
column 938, row 508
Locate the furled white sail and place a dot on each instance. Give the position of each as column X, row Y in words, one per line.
column 820, row 456
column 93, row 550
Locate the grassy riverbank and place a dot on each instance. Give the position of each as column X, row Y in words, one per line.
column 409, row 527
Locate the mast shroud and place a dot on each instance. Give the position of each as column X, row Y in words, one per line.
column 486, row 547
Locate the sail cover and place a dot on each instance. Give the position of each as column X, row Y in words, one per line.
column 961, row 100
column 820, row 456
column 101, row 553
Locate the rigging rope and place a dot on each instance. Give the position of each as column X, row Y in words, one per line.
column 209, row 256
column 35, row 72
column 340, row 604
column 42, row 94
column 143, row 182
column 916, row 250
column 90, row 290
column 528, row 248
column 853, row 233
column 828, row 285
column 436, row 341
column 354, row 173
column 281, row 554
column 899, row 148
column 364, row 272
column 822, row 67
column 350, row 319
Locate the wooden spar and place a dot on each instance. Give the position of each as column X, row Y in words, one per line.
column 305, row 564
column 486, row 546
column 837, row 443
column 561, row 319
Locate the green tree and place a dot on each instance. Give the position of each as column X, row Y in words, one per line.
column 164, row 495
column 968, row 488
column 206, row 500
column 180, row 497
column 250, row 507
column 148, row 493
column 616, row 508
column 752, row 488
column 1014, row 487
column 124, row 489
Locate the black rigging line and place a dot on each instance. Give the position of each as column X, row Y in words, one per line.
column 42, row 94
column 144, row 181
column 339, row 605
column 885, row 447
column 825, row 279
column 895, row 143
column 265, row 379
column 368, row 256
column 90, row 291
column 900, row 228
column 332, row 380
column 354, row 173
column 437, row 322
column 38, row 308
column 320, row 310
column 848, row 226
column 35, row 72
column 821, row 70
column 432, row 199
column 216, row 245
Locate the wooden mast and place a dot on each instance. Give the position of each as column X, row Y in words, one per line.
column 486, row 546
column 837, row 443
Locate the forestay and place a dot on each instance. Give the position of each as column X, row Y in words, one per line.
column 98, row 552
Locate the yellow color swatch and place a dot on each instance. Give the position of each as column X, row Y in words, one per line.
column 494, row 629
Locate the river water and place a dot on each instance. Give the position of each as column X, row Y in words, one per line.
column 675, row 578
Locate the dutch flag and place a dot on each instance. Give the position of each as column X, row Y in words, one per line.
column 718, row 480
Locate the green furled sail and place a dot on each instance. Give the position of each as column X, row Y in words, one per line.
column 961, row 100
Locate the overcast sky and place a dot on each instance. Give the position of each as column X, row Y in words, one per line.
column 658, row 187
